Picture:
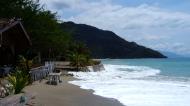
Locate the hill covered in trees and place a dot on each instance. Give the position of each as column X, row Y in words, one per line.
column 106, row 44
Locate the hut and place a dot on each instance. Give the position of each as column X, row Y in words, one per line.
column 13, row 40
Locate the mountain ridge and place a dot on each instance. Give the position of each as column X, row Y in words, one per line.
column 106, row 44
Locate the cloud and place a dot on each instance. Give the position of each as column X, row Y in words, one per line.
column 178, row 47
column 143, row 16
column 152, row 37
column 60, row 5
column 106, row 15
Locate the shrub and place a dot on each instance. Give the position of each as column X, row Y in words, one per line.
column 19, row 80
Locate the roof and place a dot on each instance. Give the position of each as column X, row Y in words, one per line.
column 7, row 24
column 2, row 22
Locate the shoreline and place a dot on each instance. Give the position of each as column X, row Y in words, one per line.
column 67, row 94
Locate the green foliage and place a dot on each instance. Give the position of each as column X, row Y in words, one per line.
column 19, row 80
column 77, row 60
column 42, row 26
column 79, row 55
column 79, row 48
column 25, row 63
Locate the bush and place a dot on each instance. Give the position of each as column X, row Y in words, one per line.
column 78, row 55
column 19, row 80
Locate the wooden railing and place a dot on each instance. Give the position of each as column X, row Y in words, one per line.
column 41, row 72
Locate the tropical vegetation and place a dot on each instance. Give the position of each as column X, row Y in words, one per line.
column 46, row 34
column 18, row 80
column 78, row 55
column 41, row 25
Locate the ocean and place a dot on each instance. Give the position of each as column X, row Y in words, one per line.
column 141, row 82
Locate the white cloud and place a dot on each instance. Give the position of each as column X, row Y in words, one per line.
column 152, row 37
column 103, row 13
column 126, row 18
column 179, row 48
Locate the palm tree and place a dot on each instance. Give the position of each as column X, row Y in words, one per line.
column 77, row 60
column 79, row 56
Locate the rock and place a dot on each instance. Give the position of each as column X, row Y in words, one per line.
column 95, row 68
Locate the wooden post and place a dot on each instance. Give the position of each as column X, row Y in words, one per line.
column 1, row 39
column 39, row 57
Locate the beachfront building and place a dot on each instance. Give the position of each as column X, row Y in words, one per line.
column 13, row 40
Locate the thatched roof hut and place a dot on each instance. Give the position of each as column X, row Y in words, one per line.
column 13, row 40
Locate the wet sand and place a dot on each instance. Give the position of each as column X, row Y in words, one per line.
column 66, row 94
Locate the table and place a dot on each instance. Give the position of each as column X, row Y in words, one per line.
column 54, row 78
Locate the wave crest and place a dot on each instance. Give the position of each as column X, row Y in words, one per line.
column 133, row 71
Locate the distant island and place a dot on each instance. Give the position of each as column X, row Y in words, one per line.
column 106, row 44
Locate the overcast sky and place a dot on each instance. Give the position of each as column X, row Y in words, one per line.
column 159, row 24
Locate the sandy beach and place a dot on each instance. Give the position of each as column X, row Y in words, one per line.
column 66, row 94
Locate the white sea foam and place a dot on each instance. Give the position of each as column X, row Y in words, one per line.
column 129, row 85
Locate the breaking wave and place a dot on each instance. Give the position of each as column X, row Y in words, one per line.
column 129, row 85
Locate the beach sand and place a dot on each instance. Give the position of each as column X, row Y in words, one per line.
column 66, row 94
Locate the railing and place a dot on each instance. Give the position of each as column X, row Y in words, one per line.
column 42, row 72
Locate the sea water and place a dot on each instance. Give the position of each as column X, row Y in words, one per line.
column 141, row 82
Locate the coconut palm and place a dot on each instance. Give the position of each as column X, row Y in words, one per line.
column 77, row 60
column 79, row 56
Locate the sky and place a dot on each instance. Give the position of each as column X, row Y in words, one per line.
column 162, row 25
